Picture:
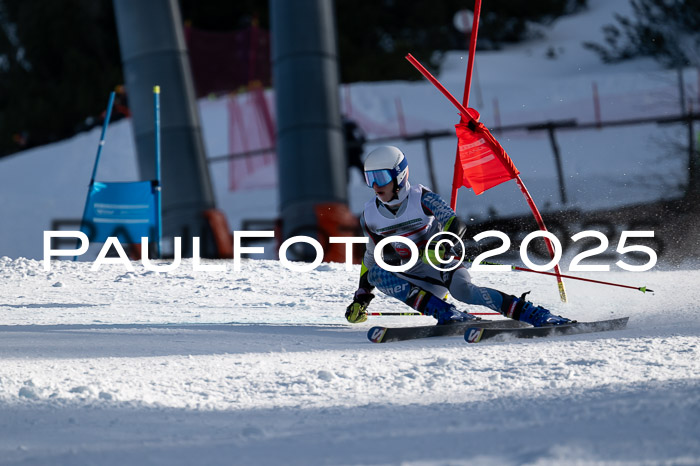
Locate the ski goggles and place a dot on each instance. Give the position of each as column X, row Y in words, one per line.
column 380, row 177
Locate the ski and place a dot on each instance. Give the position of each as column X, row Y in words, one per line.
column 388, row 334
column 476, row 334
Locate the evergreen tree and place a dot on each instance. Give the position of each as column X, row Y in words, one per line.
column 375, row 36
column 667, row 30
column 58, row 63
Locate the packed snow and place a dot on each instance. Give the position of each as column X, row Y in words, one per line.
column 259, row 366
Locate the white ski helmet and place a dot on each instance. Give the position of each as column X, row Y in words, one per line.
column 384, row 165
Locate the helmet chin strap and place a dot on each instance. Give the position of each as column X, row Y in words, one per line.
column 400, row 195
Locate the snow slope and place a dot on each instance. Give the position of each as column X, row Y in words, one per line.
column 258, row 367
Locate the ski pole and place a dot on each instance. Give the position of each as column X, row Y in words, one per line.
column 643, row 289
column 419, row 314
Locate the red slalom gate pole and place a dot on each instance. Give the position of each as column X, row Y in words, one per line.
column 456, row 181
column 472, row 52
column 464, row 112
column 543, row 227
column 467, row 116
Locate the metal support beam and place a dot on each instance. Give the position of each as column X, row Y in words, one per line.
column 310, row 142
column 153, row 53
column 551, row 126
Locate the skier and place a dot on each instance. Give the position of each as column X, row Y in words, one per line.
column 416, row 213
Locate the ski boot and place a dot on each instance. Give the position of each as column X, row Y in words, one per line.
column 444, row 312
column 537, row 316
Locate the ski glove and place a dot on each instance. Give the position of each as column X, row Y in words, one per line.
column 357, row 311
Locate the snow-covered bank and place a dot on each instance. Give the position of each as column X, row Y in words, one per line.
column 259, row 367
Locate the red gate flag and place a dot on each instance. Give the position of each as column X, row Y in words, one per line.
column 483, row 163
column 469, row 119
